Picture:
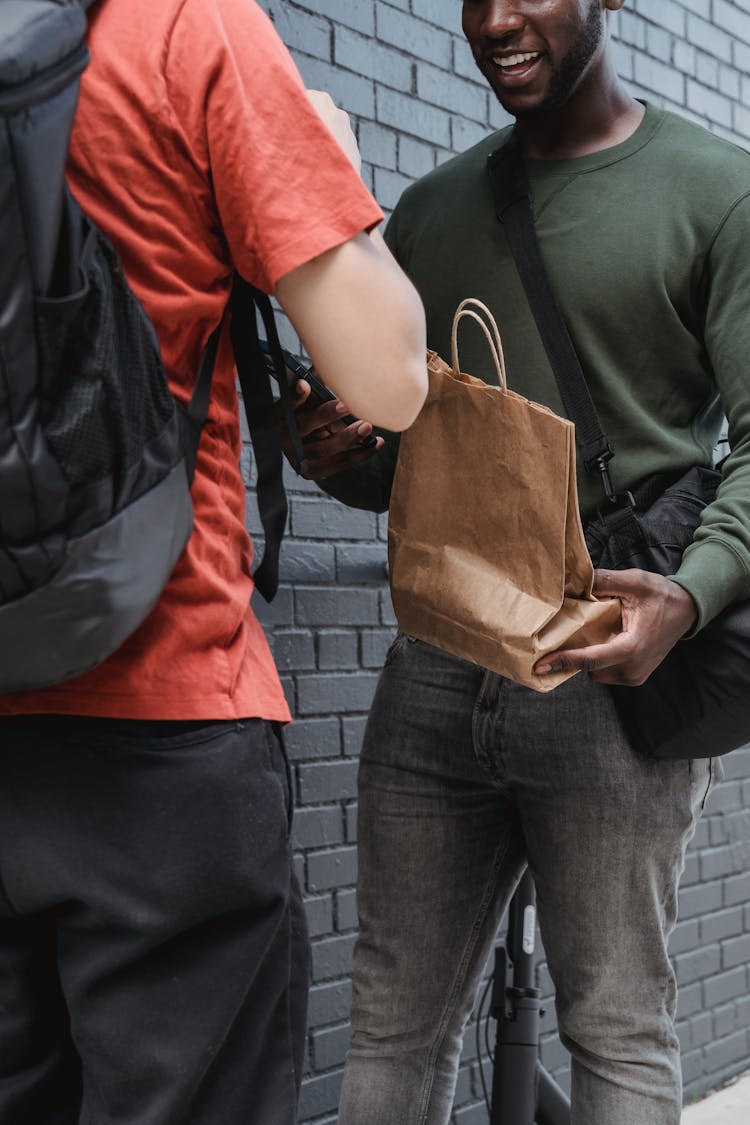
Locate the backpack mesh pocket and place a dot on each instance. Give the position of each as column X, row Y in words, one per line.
column 105, row 396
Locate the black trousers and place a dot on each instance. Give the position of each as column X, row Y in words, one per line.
column 153, row 949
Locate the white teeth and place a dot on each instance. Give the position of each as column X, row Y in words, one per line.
column 516, row 60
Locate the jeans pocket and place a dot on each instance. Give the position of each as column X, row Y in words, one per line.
column 703, row 777
column 280, row 765
column 395, row 648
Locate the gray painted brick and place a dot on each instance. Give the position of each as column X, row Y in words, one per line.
column 697, row 964
column 278, row 612
column 726, row 1051
column 424, row 40
column 378, row 145
column 332, row 957
column 415, row 118
column 737, row 889
column 707, row 101
column 321, row 694
column 701, row 1029
column 313, row 738
column 346, row 910
column 361, row 562
column 715, row 862
column 359, row 14
column 700, row 7
column 414, row 158
column 700, row 899
column 471, row 1115
column 706, row 70
column 373, row 60
column 669, row 14
column 337, row 649
column 319, row 1095
column 722, row 924
column 726, row 1020
column 336, row 605
column 329, row 1003
column 327, row 519
column 306, row 562
column 732, row 19
column 327, row 781
column 299, row 29
column 442, row 13
column 387, row 616
column 350, row 91
column 724, row 986
column 389, row 186
column 709, row 38
column 656, row 76
column 685, row 936
column 735, row 951
column 329, row 869
column 329, row 1047
column 319, row 913
column 293, row 650
column 316, row 827
column 351, row 824
column 353, row 729
column 452, row 92
column 690, row 1000
column 374, row 644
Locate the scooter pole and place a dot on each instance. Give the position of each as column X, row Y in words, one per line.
column 522, row 1091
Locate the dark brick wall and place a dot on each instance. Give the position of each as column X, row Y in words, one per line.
column 402, row 70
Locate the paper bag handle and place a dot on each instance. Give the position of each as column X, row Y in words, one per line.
column 466, row 308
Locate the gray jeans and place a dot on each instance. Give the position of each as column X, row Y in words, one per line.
column 465, row 777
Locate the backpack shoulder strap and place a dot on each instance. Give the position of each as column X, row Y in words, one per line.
column 263, row 422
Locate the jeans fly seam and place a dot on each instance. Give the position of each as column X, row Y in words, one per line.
column 429, row 1078
column 484, row 760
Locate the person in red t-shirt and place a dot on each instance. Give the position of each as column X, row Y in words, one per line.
column 152, row 936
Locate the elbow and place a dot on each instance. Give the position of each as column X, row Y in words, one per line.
column 412, row 392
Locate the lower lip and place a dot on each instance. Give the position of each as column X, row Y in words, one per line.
column 516, row 75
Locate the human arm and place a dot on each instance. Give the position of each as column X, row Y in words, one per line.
column 715, row 568
column 290, row 212
column 656, row 614
column 362, row 324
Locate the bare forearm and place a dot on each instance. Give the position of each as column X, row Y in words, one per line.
column 362, row 324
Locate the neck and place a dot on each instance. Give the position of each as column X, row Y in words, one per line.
column 599, row 113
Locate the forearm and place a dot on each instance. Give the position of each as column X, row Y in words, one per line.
column 362, row 324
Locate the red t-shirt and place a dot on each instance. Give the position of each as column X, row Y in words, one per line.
column 195, row 149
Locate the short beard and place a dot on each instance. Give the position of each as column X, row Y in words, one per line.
column 566, row 77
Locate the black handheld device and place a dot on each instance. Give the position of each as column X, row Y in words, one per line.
column 296, row 370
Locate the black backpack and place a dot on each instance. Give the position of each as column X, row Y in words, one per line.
column 96, row 455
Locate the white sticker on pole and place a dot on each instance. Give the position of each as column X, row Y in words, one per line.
column 529, row 929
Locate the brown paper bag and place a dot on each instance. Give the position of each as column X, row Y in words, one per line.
column 485, row 544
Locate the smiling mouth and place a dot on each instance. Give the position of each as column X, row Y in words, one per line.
column 516, row 63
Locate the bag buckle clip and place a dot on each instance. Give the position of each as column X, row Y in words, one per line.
column 615, row 500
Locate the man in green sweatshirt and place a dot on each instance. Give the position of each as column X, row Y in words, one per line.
column 644, row 225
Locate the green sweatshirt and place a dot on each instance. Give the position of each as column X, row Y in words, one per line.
column 647, row 247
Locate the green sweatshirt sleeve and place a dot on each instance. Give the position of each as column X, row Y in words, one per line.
column 716, row 567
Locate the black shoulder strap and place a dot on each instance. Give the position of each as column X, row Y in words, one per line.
column 513, row 207
column 263, row 423
column 261, row 414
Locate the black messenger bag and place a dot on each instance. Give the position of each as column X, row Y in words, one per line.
column 696, row 703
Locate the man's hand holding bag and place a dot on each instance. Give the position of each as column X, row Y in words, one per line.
column 501, row 577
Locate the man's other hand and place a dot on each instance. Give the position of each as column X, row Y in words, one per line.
column 330, row 444
column 656, row 613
